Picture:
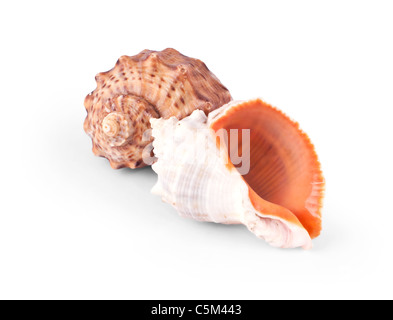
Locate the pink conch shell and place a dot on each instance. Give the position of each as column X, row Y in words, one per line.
column 278, row 198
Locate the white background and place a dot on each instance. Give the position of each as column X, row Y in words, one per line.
column 73, row 228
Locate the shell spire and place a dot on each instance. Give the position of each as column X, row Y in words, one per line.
column 151, row 84
column 272, row 183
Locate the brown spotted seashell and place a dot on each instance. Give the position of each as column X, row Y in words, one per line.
column 152, row 84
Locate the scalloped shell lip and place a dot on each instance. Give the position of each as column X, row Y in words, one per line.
column 170, row 82
column 310, row 217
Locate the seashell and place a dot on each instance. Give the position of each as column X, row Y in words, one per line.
column 151, row 84
column 278, row 197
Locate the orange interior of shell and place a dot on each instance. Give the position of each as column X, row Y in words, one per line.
column 284, row 169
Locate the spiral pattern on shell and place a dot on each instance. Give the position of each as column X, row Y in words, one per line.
column 152, row 84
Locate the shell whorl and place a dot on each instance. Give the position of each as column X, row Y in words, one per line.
column 117, row 128
column 152, row 84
